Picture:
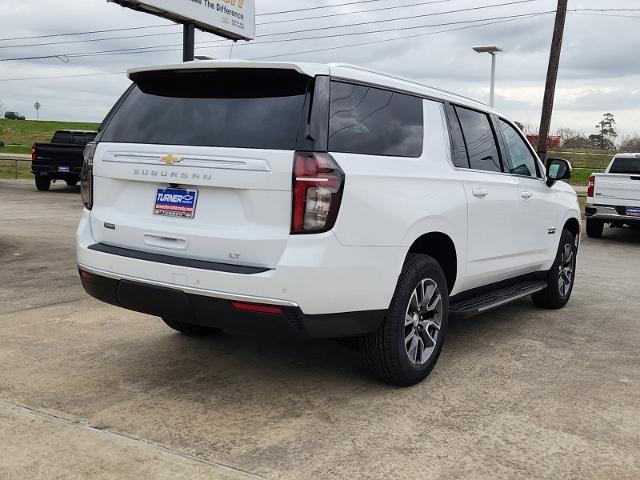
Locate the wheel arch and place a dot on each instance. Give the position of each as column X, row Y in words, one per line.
column 441, row 247
column 573, row 225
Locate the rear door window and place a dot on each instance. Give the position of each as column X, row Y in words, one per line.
column 480, row 140
column 243, row 108
column 374, row 121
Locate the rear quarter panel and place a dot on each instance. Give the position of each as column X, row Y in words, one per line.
column 392, row 201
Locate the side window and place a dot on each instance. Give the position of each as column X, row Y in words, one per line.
column 373, row 121
column 460, row 158
column 480, row 140
column 522, row 160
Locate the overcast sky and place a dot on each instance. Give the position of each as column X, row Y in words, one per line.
column 599, row 70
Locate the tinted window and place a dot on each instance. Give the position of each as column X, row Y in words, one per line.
column 62, row 137
column 460, row 158
column 480, row 140
column 225, row 108
column 626, row 165
column 373, row 121
column 522, row 160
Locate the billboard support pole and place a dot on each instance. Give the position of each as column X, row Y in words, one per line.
column 188, row 42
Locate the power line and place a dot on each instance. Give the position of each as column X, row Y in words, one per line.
column 403, row 37
column 89, row 40
column 88, row 32
column 346, row 34
column 513, row 2
column 604, row 14
column 409, row 17
column 343, row 4
column 306, row 51
column 431, row 2
column 60, row 76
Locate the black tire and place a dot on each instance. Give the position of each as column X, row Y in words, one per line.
column 386, row 353
column 43, row 183
column 594, row 228
column 72, row 182
column 558, row 292
column 190, row 329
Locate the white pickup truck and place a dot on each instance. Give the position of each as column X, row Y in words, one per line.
column 613, row 197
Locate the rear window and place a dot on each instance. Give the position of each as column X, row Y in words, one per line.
column 626, row 165
column 76, row 138
column 224, row 108
column 374, row 121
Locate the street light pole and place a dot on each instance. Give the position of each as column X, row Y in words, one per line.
column 493, row 51
column 492, row 96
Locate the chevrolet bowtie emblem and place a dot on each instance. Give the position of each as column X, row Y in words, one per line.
column 170, row 159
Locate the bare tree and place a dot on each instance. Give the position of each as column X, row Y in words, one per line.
column 630, row 143
column 1, row 107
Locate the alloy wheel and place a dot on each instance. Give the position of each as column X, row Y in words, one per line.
column 423, row 320
column 566, row 269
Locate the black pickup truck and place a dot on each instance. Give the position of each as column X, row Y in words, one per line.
column 61, row 159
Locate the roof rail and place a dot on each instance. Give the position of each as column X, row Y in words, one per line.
column 404, row 79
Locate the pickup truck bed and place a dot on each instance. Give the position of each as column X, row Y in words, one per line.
column 61, row 159
column 614, row 196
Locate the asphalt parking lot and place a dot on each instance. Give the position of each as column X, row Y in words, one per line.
column 88, row 390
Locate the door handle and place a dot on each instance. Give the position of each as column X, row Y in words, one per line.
column 526, row 194
column 479, row 192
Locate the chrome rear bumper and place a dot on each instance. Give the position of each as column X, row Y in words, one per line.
column 608, row 213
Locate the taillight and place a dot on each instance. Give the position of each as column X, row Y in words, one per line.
column 86, row 177
column 592, row 186
column 33, row 152
column 317, row 190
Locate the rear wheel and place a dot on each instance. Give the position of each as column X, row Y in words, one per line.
column 43, row 183
column 594, row 228
column 190, row 329
column 407, row 345
column 72, row 182
column 561, row 277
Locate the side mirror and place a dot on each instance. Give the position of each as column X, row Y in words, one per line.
column 557, row 169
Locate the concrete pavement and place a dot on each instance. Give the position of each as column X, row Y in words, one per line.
column 93, row 391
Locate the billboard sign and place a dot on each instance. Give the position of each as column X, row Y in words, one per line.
column 234, row 19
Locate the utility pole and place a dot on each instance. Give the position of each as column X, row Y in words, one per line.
column 552, row 76
column 188, row 42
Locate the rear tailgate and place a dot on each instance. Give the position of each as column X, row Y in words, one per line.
column 227, row 139
column 57, row 157
column 617, row 189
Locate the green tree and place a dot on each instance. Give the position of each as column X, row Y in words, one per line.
column 607, row 131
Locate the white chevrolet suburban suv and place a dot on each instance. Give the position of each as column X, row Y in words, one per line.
column 319, row 201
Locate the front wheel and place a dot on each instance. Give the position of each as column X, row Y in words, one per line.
column 560, row 278
column 43, row 183
column 407, row 345
column 190, row 329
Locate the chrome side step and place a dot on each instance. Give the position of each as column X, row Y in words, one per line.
column 495, row 298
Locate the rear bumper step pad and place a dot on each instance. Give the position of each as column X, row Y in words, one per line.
column 177, row 261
